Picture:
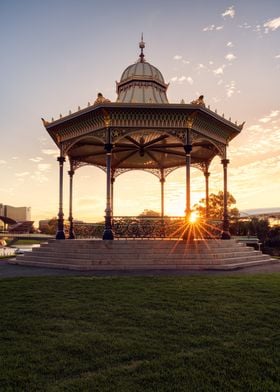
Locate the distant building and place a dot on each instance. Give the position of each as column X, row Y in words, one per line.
column 18, row 214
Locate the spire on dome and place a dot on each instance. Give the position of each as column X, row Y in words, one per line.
column 142, row 46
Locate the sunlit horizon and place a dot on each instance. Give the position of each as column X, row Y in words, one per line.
column 55, row 63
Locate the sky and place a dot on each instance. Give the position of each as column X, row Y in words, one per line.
column 57, row 54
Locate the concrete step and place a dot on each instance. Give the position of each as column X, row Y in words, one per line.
column 149, row 267
column 141, row 254
column 138, row 259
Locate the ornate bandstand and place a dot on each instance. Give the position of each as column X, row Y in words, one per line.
column 141, row 131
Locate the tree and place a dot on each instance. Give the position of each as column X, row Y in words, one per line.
column 216, row 206
column 147, row 212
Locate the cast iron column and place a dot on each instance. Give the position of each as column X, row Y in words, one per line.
column 71, row 228
column 225, row 233
column 206, row 175
column 188, row 233
column 112, row 193
column 60, row 235
column 188, row 149
column 108, row 232
column 162, row 181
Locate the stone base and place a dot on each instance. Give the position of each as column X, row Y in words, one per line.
column 142, row 254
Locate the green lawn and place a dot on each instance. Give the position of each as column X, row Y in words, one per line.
column 140, row 334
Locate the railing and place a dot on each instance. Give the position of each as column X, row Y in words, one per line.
column 151, row 227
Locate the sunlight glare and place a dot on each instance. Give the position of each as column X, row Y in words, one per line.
column 194, row 217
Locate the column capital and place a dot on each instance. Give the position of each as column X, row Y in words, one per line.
column 108, row 147
column 188, row 148
column 162, row 180
column 206, row 174
column 225, row 161
column 61, row 159
column 112, row 180
column 71, row 173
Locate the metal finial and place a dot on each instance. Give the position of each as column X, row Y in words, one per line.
column 142, row 46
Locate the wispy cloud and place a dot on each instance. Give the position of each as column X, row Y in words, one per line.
column 229, row 44
column 229, row 12
column 177, row 57
column 266, row 119
column 219, row 71
column 22, row 174
column 200, row 66
column 44, row 167
column 2, row 162
column 36, row 160
column 245, row 26
column 190, row 80
column 178, row 79
column 230, row 88
column 277, row 56
column 50, row 151
column 40, row 177
column 230, row 57
column 272, row 25
column 213, row 28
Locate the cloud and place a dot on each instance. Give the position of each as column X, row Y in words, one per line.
column 229, row 12
column 230, row 89
column 219, row 71
column 186, row 61
column 229, row 44
column 22, row 174
column 40, row 177
column 277, row 56
column 212, row 28
column 178, row 79
column 2, row 162
column 42, row 167
column 230, row 57
column 36, row 160
column 200, row 66
column 266, row 119
column 15, row 158
column 272, row 25
column 50, row 151
column 245, row 26
column 190, row 80
column 177, row 57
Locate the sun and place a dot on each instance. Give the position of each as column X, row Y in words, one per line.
column 194, row 217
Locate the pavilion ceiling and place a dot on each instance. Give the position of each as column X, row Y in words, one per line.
column 146, row 136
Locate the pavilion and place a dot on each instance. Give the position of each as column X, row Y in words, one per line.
column 141, row 131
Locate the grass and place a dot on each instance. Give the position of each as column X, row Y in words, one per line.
column 27, row 242
column 140, row 334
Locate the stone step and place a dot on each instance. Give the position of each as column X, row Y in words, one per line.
column 149, row 267
column 144, row 255
column 141, row 254
column 140, row 243
column 113, row 260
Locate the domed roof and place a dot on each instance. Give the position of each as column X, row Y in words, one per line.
column 142, row 71
column 142, row 82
